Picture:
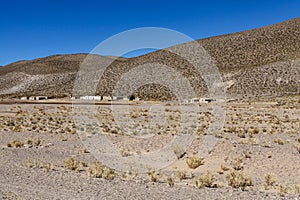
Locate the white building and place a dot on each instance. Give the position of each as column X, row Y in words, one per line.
column 194, row 100
column 206, row 100
column 91, row 98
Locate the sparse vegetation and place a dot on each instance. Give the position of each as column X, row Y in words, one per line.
column 153, row 175
column 182, row 174
column 125, row 152
column 17, row 144
column 237, row 164
column 297, row 146
column 270, row 180
column 297, row 188
column 283, row 190
column 237, row 179
column 194, row 162
column 72, row 164
column 170, row 181
column 279, row 141
column 205, row 180
column 98, row 170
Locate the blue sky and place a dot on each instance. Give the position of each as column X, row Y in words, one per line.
column 31, row 29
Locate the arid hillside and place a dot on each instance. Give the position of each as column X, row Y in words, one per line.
column 260, row 63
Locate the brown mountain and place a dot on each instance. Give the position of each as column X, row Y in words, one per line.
column 258, row 63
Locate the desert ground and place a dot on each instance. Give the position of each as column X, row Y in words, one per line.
column 256, row 156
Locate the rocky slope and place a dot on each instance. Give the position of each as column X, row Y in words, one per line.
column 258, row 63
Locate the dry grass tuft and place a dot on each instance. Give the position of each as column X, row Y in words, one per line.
column 206, row 180
column 283, row 190
column 170, row 181
column 182, row 174
column 194, row 162
column 98, row 170
column 153, row 175
column 72, row 164
column 17, row 144
column 238, row 179
column 270, row 180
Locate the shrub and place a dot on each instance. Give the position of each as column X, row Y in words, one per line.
column 18, row 144
column 270, row 180
column 125, row 152
column 297, row 146
column 279, row 141
column 29, row 142
column 72, row 164
column 194, row 162
column 37, row 142
column 182, row 175
column 297, row 188
column 153, row 175
column 238, row 179
column 98, row 170
column 282, row 190
column 237, row 164
column 170, row 181
column 255, row 131
column 206, row 180
column 29, row 163
column 224, row 168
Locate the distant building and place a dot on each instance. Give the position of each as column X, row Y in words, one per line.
column 34, row 98
column 206, row 100
column 194, row 100
column 41, row 98
column 95, row 98
column 120, row 98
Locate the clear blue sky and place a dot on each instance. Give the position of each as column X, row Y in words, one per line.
column 31, row 29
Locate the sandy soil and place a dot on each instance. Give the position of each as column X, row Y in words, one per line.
column 259, row 139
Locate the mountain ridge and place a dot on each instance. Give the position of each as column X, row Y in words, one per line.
column 257, row 63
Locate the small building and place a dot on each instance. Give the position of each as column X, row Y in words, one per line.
column 194, row 100
column 41, row 98
column 91, row 98
column 206, row 100
column 118, row 98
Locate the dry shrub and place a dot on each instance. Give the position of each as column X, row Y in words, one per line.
column 297, row 146
column 282, row 190
column 270, row 180
column 194, row 162
column 153, row 175
column 279, row 141
column 206, row 180
column 72, row 164
column 18, row 144
column 170, row 181
column 182, row 174
column 98, row 170
column 238, row 179
column 297, row 188
column 237, row 164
